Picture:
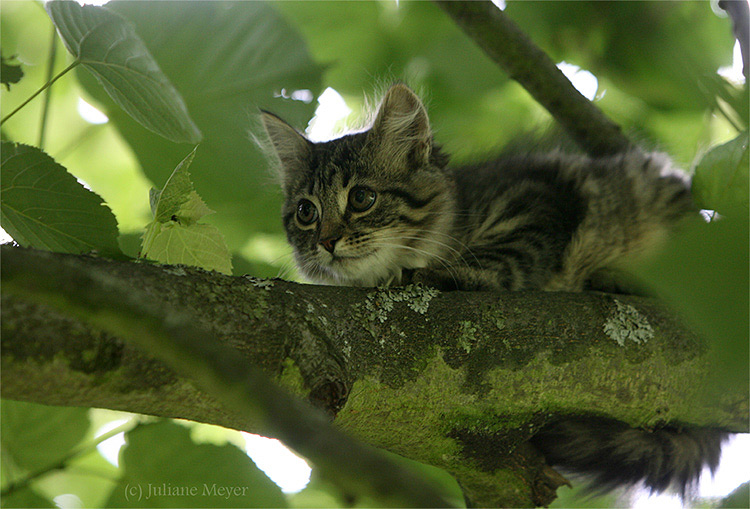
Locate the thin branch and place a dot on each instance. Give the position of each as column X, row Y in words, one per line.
column 739, row 11
column 514, row 52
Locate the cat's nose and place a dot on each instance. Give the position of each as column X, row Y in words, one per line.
column 329, row 244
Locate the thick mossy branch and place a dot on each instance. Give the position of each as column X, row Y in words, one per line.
column 171, row 334
column 515, row 53
column 425, row 374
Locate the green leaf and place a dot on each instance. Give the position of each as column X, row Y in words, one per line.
column 26, row 497
column 731, row 100
column 178, row 198
column 130, row 243
column 88, row 477
column 739, row 498
column 703, row 273
column 26, row 426
column 9, row 73
column 163, row 467
column 174, row 236
column 227, row 59
column 43, row 206
column 318, row 493
column 199, row 245
column 105, row 44
column 721, row 178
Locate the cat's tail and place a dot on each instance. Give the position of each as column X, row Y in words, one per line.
column 612, row 454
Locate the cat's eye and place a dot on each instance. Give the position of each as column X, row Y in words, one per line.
column 306, row 212
column 361, row 198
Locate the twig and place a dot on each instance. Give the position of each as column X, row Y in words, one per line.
column 739, row 11
column 48, row 92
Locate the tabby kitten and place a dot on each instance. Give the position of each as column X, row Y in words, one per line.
column 382, row 207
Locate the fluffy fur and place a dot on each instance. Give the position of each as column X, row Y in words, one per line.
column 613, row 454
column 382, row 206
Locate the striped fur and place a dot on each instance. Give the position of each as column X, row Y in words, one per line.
column 527, row 221
column 535, row 221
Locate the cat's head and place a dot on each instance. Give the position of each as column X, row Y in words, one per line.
column 360, row 208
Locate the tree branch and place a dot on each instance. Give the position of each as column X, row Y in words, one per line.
column 514, row 52
column 424, row 374
column 739, row 11
column 172, row 335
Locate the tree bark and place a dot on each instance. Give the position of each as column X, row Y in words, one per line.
column 421, row 373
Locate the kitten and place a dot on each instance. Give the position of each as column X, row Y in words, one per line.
column 382, row 207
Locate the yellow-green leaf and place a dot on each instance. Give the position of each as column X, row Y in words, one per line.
column 199, row 245
column 175, row 236
column 178, row 199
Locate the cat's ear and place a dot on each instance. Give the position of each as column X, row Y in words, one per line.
column 401, row 132
column 290, row 147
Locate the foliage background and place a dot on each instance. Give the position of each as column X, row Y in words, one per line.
column 654, row 61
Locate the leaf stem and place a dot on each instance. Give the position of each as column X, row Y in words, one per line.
column 44, row 87
column 63, row 462
column 47, row 94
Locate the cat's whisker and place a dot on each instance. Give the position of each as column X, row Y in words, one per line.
column 445, row 263
column 286, row 268
column 287, row 255
column 396, row 235
column 457, row 253
column 454, row 239
column 451, row 238
column 312, row 269
column 285, row 263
